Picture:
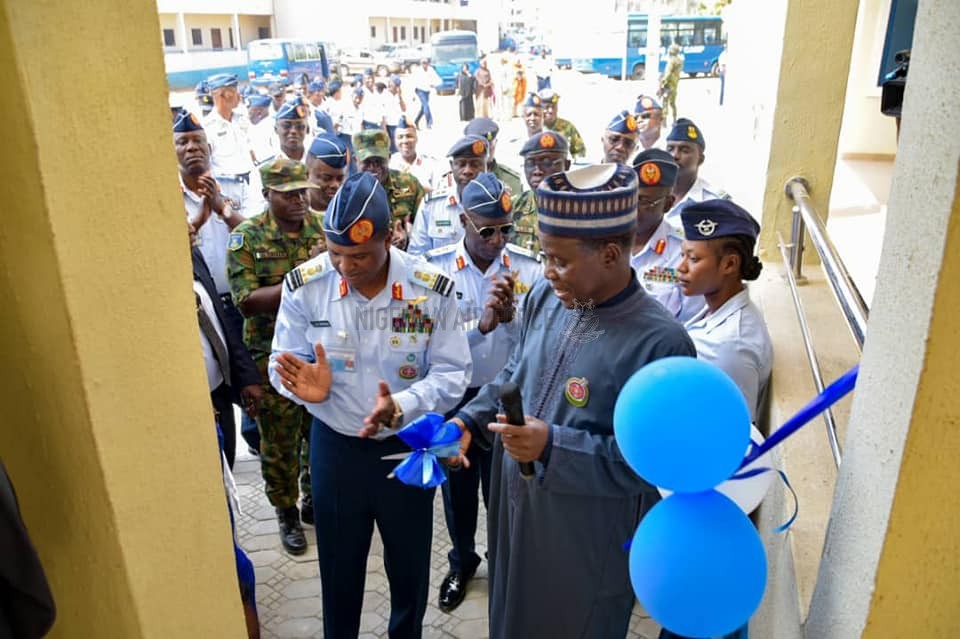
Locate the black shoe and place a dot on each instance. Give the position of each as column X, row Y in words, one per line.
column 306, row 510
column 453, row 590
column 291, row 533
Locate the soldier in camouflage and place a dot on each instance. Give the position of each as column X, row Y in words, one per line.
column 404, row 191
column 549, row 98
column 260, row 252
column 543, row 154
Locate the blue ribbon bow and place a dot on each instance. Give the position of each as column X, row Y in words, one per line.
column 429, row 437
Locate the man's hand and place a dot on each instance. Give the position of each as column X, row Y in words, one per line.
column 523, row 443
column 465, row 438
column 252, row 397
column 319, row 247
column 309, row 382
column 401, row 233
column 210, row 191
column 382, row 413
column 498, row 309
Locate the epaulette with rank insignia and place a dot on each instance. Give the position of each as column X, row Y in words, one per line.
column 305, row 273
column 445, row 186
column 441, row 250
column 519, row 250
column 434, row 280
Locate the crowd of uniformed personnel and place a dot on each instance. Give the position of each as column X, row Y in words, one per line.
column 316, row 214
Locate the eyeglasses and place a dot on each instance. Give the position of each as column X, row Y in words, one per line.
column 620, row 140
column 299, row 126
column 486, row 232
column 644, row 203
column 547, row 165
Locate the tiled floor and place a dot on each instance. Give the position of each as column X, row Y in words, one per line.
column 288, row 588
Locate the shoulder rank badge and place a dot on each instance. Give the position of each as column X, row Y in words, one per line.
column 235, row 242
column 306, row 272
column 435, row 281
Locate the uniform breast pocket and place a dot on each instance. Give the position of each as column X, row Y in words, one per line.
column 442, row 229
column 407, row 354
column 270, row 267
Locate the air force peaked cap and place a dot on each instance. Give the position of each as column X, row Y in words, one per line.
column 655, row 167
column 330, row 149
column 485, row 195
column 595, row 201
column 711, row 219
column 482, row 127
column 470, row 146
column 358, row 212
column 543, row 142
column 685, row 130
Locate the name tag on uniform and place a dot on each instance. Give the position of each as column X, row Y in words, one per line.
column 443, row 223
column 342, row 360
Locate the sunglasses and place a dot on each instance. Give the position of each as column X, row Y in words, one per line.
column 644, row 203
column 487, row 232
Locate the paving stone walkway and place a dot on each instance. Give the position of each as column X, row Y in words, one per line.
column 288, row 588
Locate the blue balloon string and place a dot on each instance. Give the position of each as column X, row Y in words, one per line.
column 830, row 396
column 753, row 472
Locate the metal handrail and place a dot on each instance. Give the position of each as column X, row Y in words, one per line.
column 854, row 309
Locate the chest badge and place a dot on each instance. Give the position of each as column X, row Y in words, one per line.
column 577, row 391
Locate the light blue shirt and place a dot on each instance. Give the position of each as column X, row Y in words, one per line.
column 490, row 351
column 735, row 339
column 699, row 192
column 438, row 220
column 427, row 369
column 656, row 267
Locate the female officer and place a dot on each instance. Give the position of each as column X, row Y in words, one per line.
column 717, row 257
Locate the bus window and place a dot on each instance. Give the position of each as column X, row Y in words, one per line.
column 685, row 34
column 668, row 35
column 311, row 52
column 264, row 50
column 637, row 38
column 709, row 35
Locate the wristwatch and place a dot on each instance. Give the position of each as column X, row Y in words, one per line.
column 397, row 419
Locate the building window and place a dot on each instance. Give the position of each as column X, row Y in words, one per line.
column 373, row 31
column 230, row 36
column 263, row 33
column 169, row 39
column 216, row 38
column 394, row 34
column 415, row 30
column 197, row 36
column 403, row 33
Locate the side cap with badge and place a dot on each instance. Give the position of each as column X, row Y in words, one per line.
column 684, row 130
column 485, row 196
column 358, row 212
column 623, row 122
column 712, row 219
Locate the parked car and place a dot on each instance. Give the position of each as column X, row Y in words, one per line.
column 353, row 62
column 402, row 59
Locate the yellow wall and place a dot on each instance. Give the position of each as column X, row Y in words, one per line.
column 107, row 431
column 917, row 586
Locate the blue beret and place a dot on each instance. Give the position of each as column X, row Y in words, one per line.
column 222, row 80
column 685, row 130
column 485, row 195
column 358, row 212
column 549, row 95
column 202, row 88
column 316, row 85
column 404, row 123
column 259, row 101
column 711, row 219
column 533, row 100
column 334, row 86
column 543, row 142
column 324, row 121
column 591, row 202
column 185, row 122
column 646, row 103
column 482, row 127
column 395, row 79
column 330, row 149
column 368, row 71
column 292, row 110
column 623, row 122
column 655, row 167
column 471, row 146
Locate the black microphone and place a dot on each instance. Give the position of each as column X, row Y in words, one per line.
column 513, row 409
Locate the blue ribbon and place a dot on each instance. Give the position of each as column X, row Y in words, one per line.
column 429, row 437
column 830, row 396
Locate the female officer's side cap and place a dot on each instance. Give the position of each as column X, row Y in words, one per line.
column 358, row 212
column 330, row 149
column 711, row 219
column 485, row 195
column 186, row 122
column 591, row 202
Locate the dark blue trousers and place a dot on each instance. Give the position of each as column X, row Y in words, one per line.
column 351, row 492
column 424, row 97
column 392, row 131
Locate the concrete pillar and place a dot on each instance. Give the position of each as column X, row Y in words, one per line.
column 410, row 39
column 890, row 561
column 389, row 35
column 817, row 42
column 182, row 28
column 108, row 431
column 236, row 32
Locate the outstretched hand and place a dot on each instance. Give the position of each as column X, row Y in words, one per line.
column 382, row 414
column 309, row 382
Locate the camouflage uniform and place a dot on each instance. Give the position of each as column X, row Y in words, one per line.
column 404, row 193
column 567, row 130
column 525, row 221
column 509, row 177
column 260, row 254
column 670, row 82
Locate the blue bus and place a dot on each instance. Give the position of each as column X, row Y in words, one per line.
column 449, row 50
column 286, row 61
column 701, row 41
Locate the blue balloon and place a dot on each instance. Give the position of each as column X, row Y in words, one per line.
column 697, row 564
column 682, row 424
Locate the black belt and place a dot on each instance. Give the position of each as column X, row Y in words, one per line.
column 238, row 177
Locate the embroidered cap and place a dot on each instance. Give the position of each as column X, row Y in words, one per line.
column 470, row 146
column 685, row 130
column 285, row 175
column 544, row 142
column 330, row 149
column 186, row 122
column 594, row 201
column 293, row 109
column 711, row 219
column 221, row 80
column 623, row 122
column 482, row 127
column 373, row 143
column 655, row 167
column 358, row 212
column 485, row 195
